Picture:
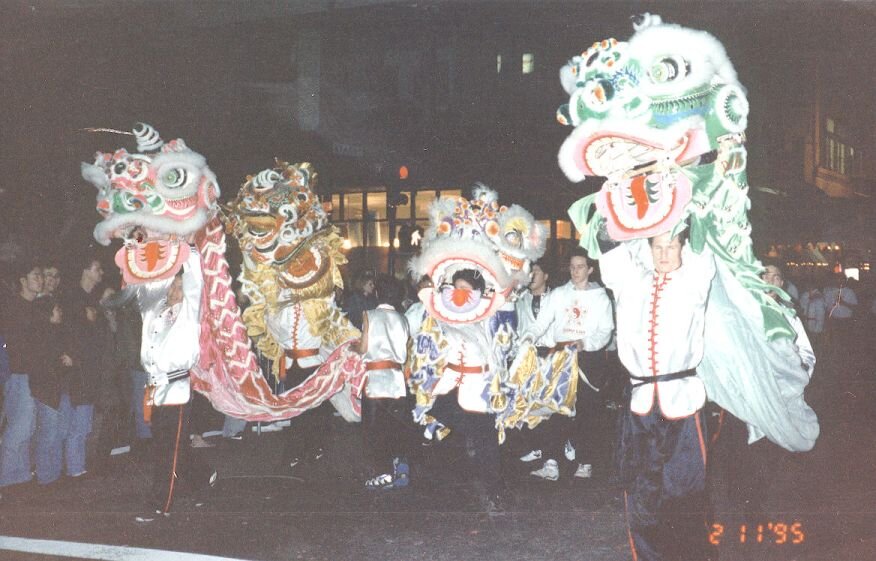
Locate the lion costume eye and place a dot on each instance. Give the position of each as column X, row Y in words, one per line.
column 668, row 69
column 514, row 238
column 259, row 226
column 175, row 178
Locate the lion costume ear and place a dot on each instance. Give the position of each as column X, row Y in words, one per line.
column 533, row 234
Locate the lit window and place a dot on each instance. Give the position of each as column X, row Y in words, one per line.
column 352, row 234
column 336, row 207
column 547, row 226
column 564, row 230
column 528, row 63
column 353, row 206
column 451, row 193
column 378, row 234
column 423, row 202
column 837, row 155
column 377, row 206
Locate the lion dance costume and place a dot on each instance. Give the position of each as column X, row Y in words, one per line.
column 662, row 117
column 466, row 339
column 162, row 201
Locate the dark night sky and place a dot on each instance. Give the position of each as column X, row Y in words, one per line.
column 65, row 65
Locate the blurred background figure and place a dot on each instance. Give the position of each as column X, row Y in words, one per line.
column 360, row 299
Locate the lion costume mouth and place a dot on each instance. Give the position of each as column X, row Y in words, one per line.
column 151, row 259
column 456, row 305
column 492, row 243
column 646, row 190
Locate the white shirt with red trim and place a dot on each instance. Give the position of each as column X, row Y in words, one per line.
column 660, row 323
column 291, row 330
column 468, row 350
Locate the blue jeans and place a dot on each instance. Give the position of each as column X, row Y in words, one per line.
column 76, row 425
column 20, row 417
column 49, row 444
column 138, row 385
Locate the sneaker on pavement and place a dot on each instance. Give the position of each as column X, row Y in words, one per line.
column 383, row 481
column 150, row 516
column 569, row 451
column 531, row 456
column 584, row 471
column 550, row 471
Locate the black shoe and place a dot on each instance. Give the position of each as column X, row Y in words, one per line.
column 494, row 505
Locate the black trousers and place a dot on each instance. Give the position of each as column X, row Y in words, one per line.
column 388, row 431
column 307, row 434
column 663, row 471
column 475, row 435
column 177, row 467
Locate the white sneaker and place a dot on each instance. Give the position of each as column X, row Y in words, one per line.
column 531, row 456
column 550, row 471
column 569, row 451
column 584, row 471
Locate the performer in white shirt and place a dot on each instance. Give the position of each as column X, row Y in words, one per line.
column 306, row 347
column 386, row 420
column 461, row 392
column 169, row 348
column 575, row 318
column 661, row 302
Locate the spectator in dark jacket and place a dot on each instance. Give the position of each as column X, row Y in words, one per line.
column 21, row 329
column 47, row 386
column 89, row 327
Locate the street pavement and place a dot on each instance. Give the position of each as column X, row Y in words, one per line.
column 822, row 502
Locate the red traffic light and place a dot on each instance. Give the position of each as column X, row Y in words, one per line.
column 403, row 172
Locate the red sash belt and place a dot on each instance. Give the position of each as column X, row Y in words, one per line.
column 382, row 365
column 301, row 353
column 295, row 354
